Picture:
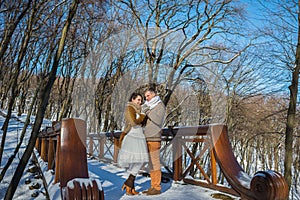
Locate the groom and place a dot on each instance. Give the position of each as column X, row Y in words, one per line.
column 155, row 111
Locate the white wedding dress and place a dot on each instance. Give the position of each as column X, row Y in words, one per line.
column 134, row 148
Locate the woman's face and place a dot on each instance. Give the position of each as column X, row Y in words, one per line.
column 137, row 100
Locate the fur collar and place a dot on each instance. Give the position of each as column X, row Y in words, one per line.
column 135, row 106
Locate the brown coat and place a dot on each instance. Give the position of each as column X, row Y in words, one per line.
column 131, row 119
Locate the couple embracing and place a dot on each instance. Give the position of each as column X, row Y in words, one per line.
column 141, row 140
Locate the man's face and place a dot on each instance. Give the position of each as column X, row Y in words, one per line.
column 149, row 95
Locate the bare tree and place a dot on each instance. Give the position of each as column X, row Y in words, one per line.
column 291, row 115
column 174, row 34
column 44, row 96
column 14, row 17
column 22, row 80
column 15, row 77
column 282, row 30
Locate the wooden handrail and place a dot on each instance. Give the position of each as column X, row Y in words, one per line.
column 267, row 184
column 65, row 142
column 63, row 146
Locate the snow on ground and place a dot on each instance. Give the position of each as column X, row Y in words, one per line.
column 112, row 179
column 110, row 176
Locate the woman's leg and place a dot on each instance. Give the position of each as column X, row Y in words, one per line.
column 134, row 168
column 129, row 183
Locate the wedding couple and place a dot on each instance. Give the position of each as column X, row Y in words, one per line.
column 141, row 144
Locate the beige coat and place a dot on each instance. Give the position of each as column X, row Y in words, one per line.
column 154, row 123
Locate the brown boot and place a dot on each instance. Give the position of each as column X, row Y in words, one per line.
column 129, row 185
column 152, row 191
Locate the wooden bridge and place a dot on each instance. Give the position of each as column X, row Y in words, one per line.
column 53, row 145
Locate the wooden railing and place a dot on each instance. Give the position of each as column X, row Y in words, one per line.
column 103, row 146
column 63, row 146
column 215, row 143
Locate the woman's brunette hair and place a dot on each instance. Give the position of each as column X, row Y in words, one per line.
column 135, row 95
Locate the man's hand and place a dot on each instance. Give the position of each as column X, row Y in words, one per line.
column 145, row 108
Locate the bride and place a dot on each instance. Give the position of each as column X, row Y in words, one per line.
column 133, row 153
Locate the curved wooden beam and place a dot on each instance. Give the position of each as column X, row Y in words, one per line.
column 264, row 185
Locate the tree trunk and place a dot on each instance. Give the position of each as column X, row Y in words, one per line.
column 290, row 124
column 66, row 105
column 45, row 93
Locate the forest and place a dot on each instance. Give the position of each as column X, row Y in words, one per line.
column 220, row 61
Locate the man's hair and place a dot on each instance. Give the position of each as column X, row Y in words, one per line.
column 151, row 89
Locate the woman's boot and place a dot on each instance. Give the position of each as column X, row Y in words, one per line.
column 129, row 185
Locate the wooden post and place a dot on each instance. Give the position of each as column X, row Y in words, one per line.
column 44, row 149
column 213, row 167
column 101, row 147
column 38, row 145
column 177, row 159
column 116, row 149
column 56, row 178
column 91, row 146
column 73, row 155
column 50, row 153
column 54, row 139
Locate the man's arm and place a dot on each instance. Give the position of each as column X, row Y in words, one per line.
column 157, row 115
